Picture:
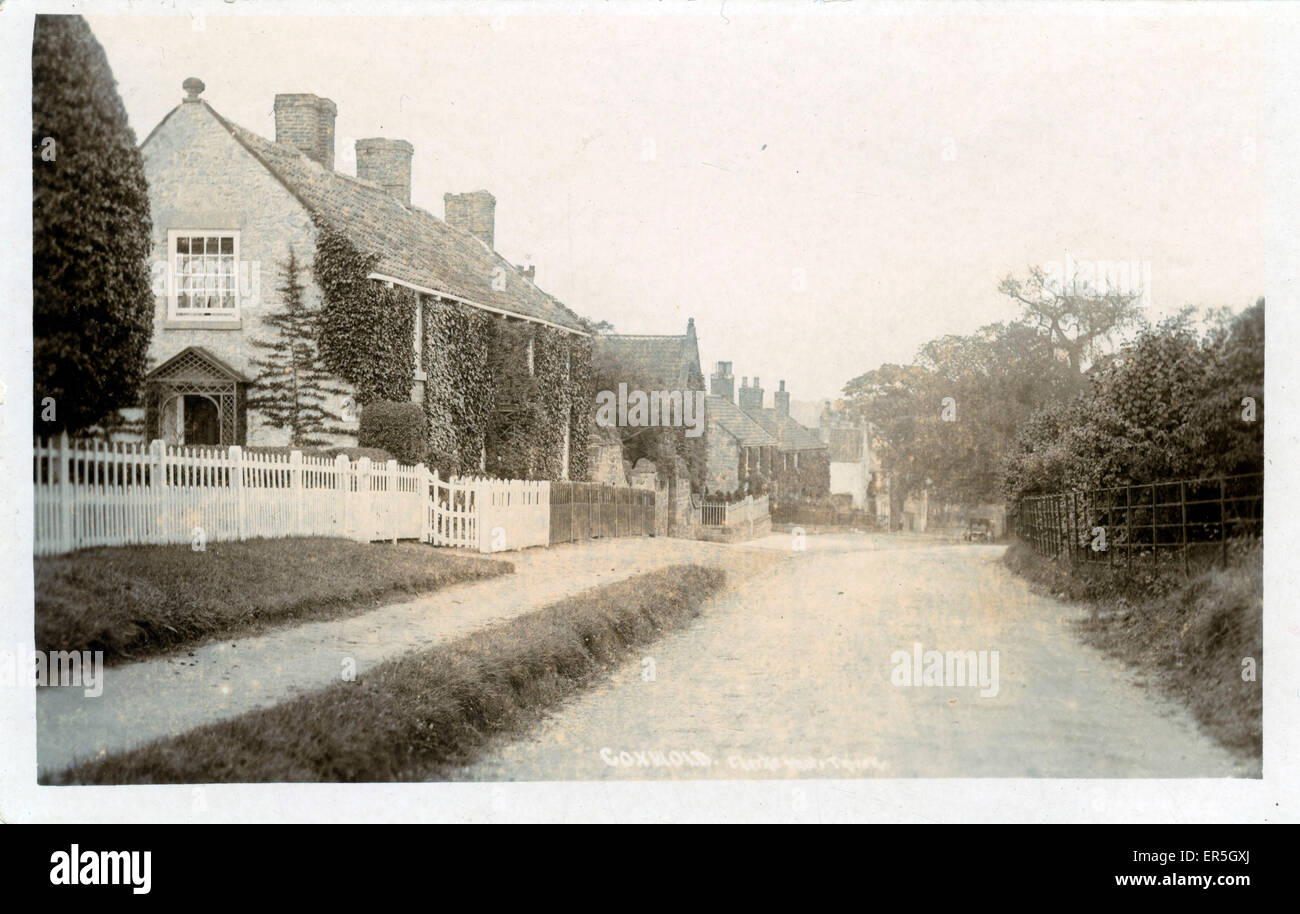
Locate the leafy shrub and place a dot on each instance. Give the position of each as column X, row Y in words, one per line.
column 1169, row 406
column 397, row 428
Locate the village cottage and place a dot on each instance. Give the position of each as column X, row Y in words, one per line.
column 759, row 449
column 415, row 303
column 800, row 468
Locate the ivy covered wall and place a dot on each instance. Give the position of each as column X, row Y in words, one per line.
column 366, row 328
column 480, row 393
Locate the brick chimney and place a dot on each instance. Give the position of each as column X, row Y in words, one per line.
column 722, row 383
column 529, row 272
column 475, row 212
column 306, row 122
column 781, row 400
column 387, row 163
column 751, row 397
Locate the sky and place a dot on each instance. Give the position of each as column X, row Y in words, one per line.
column 822, row 191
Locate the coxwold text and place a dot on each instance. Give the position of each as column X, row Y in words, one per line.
column 78, row 867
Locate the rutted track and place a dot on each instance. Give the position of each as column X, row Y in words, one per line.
column 788, row 674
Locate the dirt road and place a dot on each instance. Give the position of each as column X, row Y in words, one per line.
column 793, row 672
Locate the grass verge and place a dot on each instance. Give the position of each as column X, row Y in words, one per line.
column 427, row 713
column 134, row 601
column 1191, row 635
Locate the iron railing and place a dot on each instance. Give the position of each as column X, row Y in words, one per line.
column 1187, row 519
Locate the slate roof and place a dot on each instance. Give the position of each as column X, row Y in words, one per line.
column 413, row 245
column 846, row 445
column 737, row 423
column 665, row 362
column 790, row 435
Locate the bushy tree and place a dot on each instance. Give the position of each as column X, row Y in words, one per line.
column 1167, row 406
column 946, row 421
column 1072, row 314
column 293, row 386
column 92, row 315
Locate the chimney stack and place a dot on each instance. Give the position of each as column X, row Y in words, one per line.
column 751, row 397
column 781, row 401
column 386, row 163
column 474, row 212
column 306, row 122
column 722, row 383
column 529, row 272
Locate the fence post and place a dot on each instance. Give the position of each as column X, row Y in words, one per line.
column 365, row 521
column 296, row 490
column 422, row 473
column 1182, row 500
column 236, row 455
column 1110, row 529
column 158, row 488
column 1223, row 525
column 1155, row 531
column 66, row 539
column 343, row 470
column 389, row 499
column 482, row 504
column 1072, row 515
column 1128, row 527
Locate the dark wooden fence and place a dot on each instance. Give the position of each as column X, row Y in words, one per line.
column 1183, row 520
column 583, row 510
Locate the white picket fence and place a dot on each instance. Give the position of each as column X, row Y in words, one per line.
column 99, row 494
column 513, row 514
column 721, row 514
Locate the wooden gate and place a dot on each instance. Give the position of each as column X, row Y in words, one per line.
column 585, row 510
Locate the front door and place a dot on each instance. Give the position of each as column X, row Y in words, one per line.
column 202, row 421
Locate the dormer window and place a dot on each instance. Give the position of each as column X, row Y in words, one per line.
column 204, row 275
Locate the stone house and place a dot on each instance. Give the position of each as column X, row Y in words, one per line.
column 800, row 467
column 228, row 206
column 740, row 452
column 654, row 362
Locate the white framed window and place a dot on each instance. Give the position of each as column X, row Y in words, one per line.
column 204, row 274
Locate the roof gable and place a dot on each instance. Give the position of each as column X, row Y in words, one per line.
column 736, row 423
column 791, row 435
column 196, row 364
column 665, row 362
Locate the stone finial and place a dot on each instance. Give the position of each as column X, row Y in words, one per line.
column 193, row 88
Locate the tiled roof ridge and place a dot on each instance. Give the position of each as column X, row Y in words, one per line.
column 249, row 140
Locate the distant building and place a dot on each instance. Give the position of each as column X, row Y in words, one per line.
column 652, row 362
column 855, row 468
column 800, row 468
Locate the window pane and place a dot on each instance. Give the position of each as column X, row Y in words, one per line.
column 228, row 245
column 182, row 245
